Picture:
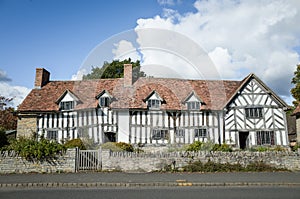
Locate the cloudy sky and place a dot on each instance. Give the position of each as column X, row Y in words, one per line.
column 239, row 37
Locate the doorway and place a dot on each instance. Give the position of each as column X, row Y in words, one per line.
column 110, row 137
column 243, row 136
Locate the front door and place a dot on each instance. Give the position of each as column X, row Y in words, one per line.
column 243, row 136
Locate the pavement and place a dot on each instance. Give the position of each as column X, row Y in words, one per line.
column 119, row 179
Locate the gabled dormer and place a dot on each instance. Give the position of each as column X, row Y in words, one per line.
column 67, row 101
column 193, row 101
column 154, row 101
column 104, row 98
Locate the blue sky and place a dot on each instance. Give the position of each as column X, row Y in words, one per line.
column 59, row 35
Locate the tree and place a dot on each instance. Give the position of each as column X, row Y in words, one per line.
column 115, row 69
column 8, row 121
column 296, row 90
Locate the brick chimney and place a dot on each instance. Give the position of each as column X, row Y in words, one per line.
column 127, row 75
column 42, row 77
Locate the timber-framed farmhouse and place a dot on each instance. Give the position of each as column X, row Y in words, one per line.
column 155, row 111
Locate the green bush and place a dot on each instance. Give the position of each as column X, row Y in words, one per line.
column 296, row 147
column 34, row 150
column 75, row 143
column 196, row 146
column 208, row 146
column 118, row 146
column 222, row 147
column 125, row 146
column 278, row 148
column 210, row 166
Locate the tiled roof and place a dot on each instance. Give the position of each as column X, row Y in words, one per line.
column 213, row 93
column 44, row 99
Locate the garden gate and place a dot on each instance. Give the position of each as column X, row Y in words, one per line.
column 88, row 160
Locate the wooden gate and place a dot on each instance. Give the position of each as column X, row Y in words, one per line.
column 88, row 160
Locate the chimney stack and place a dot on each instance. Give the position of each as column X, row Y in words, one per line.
column 42, row 77
column 127, row 75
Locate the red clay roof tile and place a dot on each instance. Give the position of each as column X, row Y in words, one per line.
column 214, row 94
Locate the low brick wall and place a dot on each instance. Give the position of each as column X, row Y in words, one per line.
column 147, row 162
column 10, row 163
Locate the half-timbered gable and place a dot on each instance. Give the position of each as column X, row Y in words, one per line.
column 255, row 116
column 155, row 111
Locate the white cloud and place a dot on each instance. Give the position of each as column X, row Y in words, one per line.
column 18, row 93
column 79, row 74
column 241, row 37
column 166, row 2
column 4, row 77
column 124, row 50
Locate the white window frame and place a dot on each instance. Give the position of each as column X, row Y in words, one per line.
column 193, row 105
column 180, row 132
column 200, row 132
column 154, row 104
column 67, row 105
column 159, row 134
column 254, row 112
column 52, row 135
column 104, row 101
column 265, row 137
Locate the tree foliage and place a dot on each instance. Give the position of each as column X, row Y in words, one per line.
column 115, row 69
column 8, row 121
column 296, row 90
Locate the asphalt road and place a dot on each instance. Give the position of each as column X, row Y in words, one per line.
column 115, row 177
column 147, row 193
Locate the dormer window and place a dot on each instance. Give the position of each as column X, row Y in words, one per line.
column 104, row 99
column 153, row 100
column 193, row 102
column 67, row 101
column 193, row 105
column 69, row 105
column 154, row 104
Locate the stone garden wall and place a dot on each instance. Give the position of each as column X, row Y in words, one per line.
column 10, row 163
column 147, row 162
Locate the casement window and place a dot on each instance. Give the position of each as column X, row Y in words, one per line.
column 179, row 133
column 158, row 134
column 256, row 112
column 104, row 101
column 265, row 137
column 154, row 103
column 52, row 135
column 67, row 105
column 200, row 133
column 193, row 105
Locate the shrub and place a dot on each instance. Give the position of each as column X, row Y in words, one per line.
column 278, row 148
column 75, row 143
column 296, row 147
column 259, row 149
column 125, row 146
column 210, row 166
column 222, row 147
column 118, row 146
column 196, row 146
column 34, row 150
